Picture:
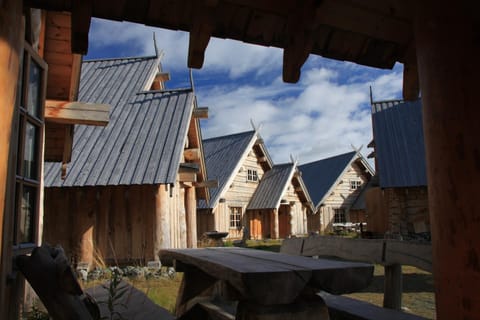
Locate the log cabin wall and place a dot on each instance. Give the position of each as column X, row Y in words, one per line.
column 238, row 195
column 114, row 225
column 342, row 197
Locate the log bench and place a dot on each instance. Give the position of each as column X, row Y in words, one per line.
column 390, row 253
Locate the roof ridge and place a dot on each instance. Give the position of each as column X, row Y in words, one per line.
column 120, row 58
column 331, row 157
column 229, row 135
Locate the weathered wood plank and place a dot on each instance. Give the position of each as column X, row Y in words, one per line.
column 77, row 112
column 370, row 250
column 417, row 254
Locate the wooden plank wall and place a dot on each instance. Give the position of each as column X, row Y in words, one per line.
column 122, row 218
column 341, row 197
column 238, row 195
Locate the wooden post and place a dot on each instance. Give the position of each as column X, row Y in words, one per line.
column 392, row 296
column 275, row 234
column 191, row 209
column 161, row 231
column 11, row 40
column 447, row 42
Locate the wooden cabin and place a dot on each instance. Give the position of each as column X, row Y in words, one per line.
column 399, row 204
column 280, row 204
column 334, row 184
column 238, row 162
column 436, row 41
column 131, row 187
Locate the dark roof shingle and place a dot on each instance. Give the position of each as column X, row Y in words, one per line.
column 319, row 176
column 399, row 144
column 144, row 140
column 272, row 186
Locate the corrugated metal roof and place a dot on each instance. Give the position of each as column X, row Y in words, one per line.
column 399, row 144
column 144, row 140
column 222, row 155
column 319, row 176
column 272, row 186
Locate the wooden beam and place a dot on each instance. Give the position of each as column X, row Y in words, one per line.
column 81, row 17
column 200, row 32
column 299, row 42
column 411, row 82
column 77, row 112
column 200, row 113
column 191, row 217
column 262, row 159
column 192, row 154
column 206, row 184
column 187, row 177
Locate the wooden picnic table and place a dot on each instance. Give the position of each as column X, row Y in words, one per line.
column 266, row 284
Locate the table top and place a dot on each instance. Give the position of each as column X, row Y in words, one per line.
column 270, row 276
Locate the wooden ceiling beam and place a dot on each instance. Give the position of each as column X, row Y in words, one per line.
column 206, row 184
column 81, row 18
column 299, row 41
column 201, row 30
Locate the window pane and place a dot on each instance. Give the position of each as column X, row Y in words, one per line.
column 20, row 82
column 27, row 213
column 30, row 164
column 34, row 86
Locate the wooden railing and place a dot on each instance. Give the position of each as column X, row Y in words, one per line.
column 392, row 254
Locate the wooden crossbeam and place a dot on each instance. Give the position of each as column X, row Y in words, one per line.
column 200, row 32
column 187, row 177
column 200, row 113
column 75, row 112
column 206, row 184
column 81, row 17
column 192, row 154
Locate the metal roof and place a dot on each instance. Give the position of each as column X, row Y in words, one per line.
column 222, row 156
column 144, row 140
column 320, row 176
column 272, row 187
column 399, row 144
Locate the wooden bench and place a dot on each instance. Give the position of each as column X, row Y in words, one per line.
column 390, row 253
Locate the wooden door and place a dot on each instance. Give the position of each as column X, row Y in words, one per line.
column 284, row 224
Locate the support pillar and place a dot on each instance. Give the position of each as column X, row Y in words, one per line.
column 11, row 42
column 448, row 47
column 191, row 210
column 275, row 230
column 161, row 227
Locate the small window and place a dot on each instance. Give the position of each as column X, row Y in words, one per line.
column 252, row 175
column 355, row 184
column 235, row 217
column 339, row 216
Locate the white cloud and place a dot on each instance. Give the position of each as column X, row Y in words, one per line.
column 323, row 115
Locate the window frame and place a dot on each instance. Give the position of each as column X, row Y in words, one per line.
column 355, row 184
column 252, row 175
column 37, row 121
column 339, row 215
column 235, row 217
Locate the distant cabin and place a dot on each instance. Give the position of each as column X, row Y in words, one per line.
column 131, row 187
column 335, row 185
column 399, row 204
column 255, row 199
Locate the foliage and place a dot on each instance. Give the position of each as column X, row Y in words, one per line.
column 35, row 314
column 115, row 294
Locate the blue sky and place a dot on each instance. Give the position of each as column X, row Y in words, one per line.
column 323, row 115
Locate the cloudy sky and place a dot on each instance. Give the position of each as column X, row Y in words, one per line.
column 323, row 115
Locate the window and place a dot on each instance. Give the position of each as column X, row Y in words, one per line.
column 252, row 175
column 30, row 102
column 355, row 184
column 339, row 216
column 235, row 217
